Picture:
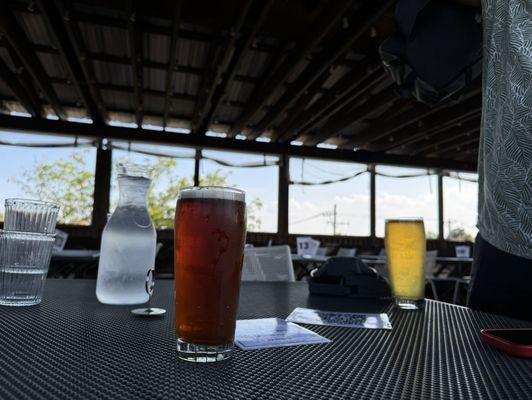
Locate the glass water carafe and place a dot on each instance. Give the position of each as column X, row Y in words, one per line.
column 127, row 251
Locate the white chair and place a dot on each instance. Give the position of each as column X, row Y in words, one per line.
column 430, row 269
column 345, row 252
column 322, row 251
column 273, row 263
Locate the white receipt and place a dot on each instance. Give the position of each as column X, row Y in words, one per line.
column 265, row 333
column 335, row 318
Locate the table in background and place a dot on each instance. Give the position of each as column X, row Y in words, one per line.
column 72, row 263
column 72, row 347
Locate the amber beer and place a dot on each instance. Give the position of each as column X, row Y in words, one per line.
column 405, row 251
column 210, row 232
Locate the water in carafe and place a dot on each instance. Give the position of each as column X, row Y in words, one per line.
column 127, row 250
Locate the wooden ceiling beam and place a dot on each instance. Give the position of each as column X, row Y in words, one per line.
column 147, row 92
column 431, row 135
column 69, row 41
column 325, row 60
column 418, row 112
column 12, row 82
column 295, row 58
column 135, row 52
column 351, row 114
column 210, row 64
column 450, row 137
column 430, row 126
column 24, row 49
column 227, row 53
column 314, row 114
column 417, row 116
column 24, row 77
column 454, row 148
column 230, row 75
column 172, row 61
column 337, row 107
column 46, row 126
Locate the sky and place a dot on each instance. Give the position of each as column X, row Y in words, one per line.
column 311, row 208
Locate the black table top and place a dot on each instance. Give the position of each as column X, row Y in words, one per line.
column 72, row 347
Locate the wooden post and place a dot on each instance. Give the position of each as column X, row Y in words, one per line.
column 197, row 167
column 440, row 207
column 372, row 201
column 283, row 193
column 102, row 186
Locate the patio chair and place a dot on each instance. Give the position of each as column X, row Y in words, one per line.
column 430, row 269
column 322, row 251
column 345, row 252
column 271, row 264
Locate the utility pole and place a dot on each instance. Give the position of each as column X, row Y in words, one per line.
column 334, row 220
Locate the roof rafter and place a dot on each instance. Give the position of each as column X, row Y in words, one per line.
column 24, row 49
column 416, row 113
column 66, row 37
column 221, row 91
column 172, row 61
column 135, row 52
column 294, row 59
column 11, row 81
column 351, row 113
column 320, row 64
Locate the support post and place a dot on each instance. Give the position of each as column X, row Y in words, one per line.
column 283, row 193
column 197, row 167
column 102, row 186
column 372, row 201
column 440, row 207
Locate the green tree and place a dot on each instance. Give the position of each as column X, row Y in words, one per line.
column 69, row 183
column 66, row 182
column 161, row 203
column 460, row 234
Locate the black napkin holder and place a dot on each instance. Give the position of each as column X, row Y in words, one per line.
column 348, row 277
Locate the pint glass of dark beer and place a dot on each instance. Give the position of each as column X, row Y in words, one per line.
column 210, row 233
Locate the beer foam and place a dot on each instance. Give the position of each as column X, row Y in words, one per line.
column 212, row 192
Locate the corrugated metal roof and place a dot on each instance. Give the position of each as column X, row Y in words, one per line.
column 104, row 30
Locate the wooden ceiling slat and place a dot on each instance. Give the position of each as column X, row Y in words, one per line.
column 11, row 81
column 347, row 116
column 172, row 61
column 135, row 52
column 220, row 66
column 296, row 57
column 24, row 49
column 339, row 109
column 417, row 113
column 308, row 118
column 465, row 123
column 319, row 64
column 430, row 125
column 221, row 91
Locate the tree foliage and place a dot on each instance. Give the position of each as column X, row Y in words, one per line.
column 69, row 183
column 66, row 182
column 460, row 234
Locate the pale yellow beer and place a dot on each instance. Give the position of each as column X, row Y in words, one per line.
column 405, row 250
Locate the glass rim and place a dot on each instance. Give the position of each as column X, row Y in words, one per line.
column 7, row 232
column 134, row 169
column 404, row 219
column 237, row 194
column 16, row 200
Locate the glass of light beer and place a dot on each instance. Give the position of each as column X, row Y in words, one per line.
column 405, row 251
column 210, row 233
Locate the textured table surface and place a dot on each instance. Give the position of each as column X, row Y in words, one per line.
column 72, row 347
